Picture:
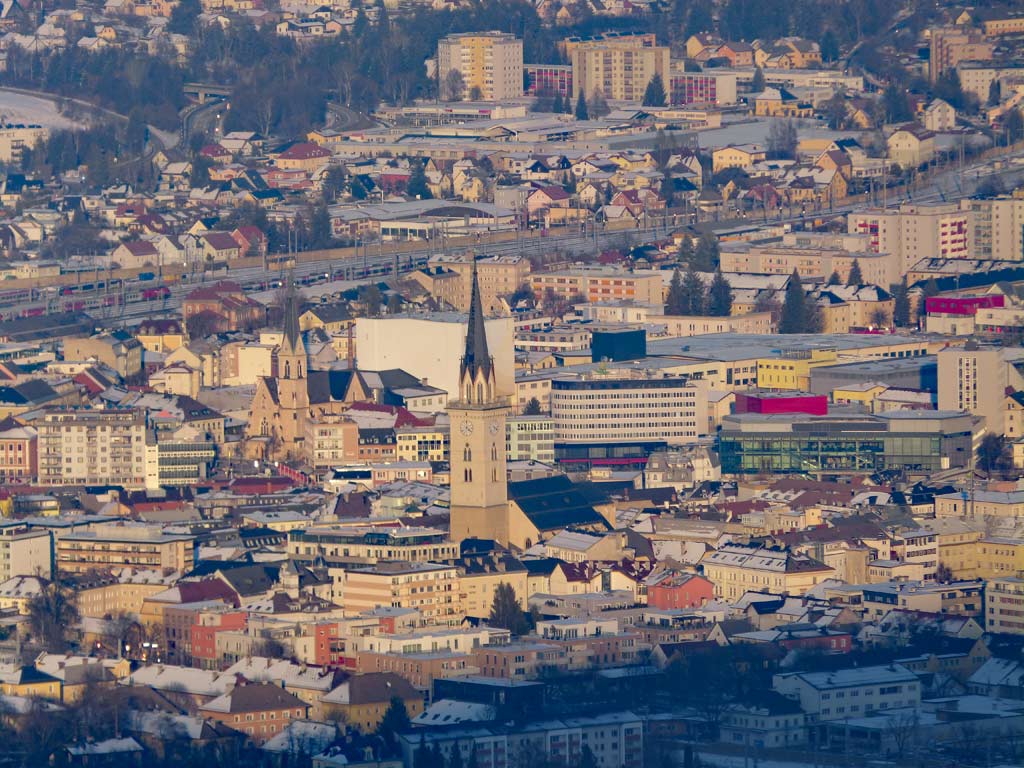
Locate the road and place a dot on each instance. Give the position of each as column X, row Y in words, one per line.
column 342, row 118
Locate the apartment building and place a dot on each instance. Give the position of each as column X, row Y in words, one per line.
column 489, row 62
column 497, row 276
column 700, row 87
column 618, row 70
column 369, row 544
column 975, row 378
column 851, row 692
column 951, row 45
column 1004, row 606
column 15, row 139
column 430, row 588
column 92, row 447
column 600, row 284
column 125, row 545
column 915, row 232
column 738, row 568
column 422, row 443
column 19, row 454
column 633, row 411
column 24, row 551
column 119, row 350
column 997, row 227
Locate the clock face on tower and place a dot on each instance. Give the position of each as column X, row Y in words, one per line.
column 493, row 428
column 466, row 428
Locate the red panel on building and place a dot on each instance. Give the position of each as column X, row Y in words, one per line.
column 965, row 306
column 782, row 402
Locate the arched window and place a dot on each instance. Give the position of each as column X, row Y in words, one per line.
column 467, row 454
column 494, row 452
column 479, row 393
column 469, row 393
column 287, row 369
column 300, row 370
column 467, row 475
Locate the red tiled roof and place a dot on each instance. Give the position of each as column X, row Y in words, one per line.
column 304, row 151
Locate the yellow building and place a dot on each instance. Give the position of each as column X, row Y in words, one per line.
column 100, row 595
column 431, row 589
column 738, row 568
column 618, row 71
column 861, row 394
column 480, row 580
column 490, row 64
column 737, row 156
column 792, row 371
column 422, row 443
column 362, row 700
column 112, row 545
column 1000, row 558
column 163, row 336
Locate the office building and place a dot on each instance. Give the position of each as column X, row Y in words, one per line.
column 619, row 417
column 918, row 442
column 491, row 64
column 997, row 227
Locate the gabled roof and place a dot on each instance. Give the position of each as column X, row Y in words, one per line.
column 255, row 697
column 551, row 503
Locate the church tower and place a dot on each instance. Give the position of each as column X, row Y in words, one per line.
column 292, row 370
column 479, row 486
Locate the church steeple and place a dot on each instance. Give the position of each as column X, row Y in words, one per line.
column 476, row 374
column 291, row 357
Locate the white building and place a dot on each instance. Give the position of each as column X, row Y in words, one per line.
column 914, row 232
column 24, row 551
column 853, row 692
column 430, row 347
column 628, row 407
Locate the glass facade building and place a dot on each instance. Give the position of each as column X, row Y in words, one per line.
column 914, row 441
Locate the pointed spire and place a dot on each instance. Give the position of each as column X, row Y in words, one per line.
column 292, row 336
column 476, row 358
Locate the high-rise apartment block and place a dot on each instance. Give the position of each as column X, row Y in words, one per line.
column 491, row 62
column 92, row 447
column 915, row 232
column 619, row 71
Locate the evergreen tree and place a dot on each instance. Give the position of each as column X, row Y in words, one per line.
column 719, row 296
column 581, row 108
column 417, row 186
column 674, row 301
column 506, row 612
column 834, row 278
column 829, row 46
column 455, row 756
column 654, row 95
column 685, row 253
column 587, row 758
column 995, row 93
column 557, row 107
column 693, row 294
column 931, row 288
column 795, row 307
column 901, row 304
column 706, row 255
column 757, row 84
column 532, row 407
column 394, row 722
column 321, row 235
column 855, row 277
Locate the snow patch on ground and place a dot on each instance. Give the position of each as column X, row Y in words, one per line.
column 35, row 110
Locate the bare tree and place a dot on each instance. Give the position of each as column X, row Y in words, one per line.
column 454, row 86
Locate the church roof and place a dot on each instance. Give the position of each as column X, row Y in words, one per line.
column 476, row 358
column 551, row 503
